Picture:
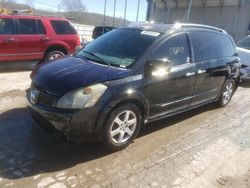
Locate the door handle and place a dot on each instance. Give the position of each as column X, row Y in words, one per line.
column 45, row 39
column 190, row 74
column 201, row 71
column 9, row 40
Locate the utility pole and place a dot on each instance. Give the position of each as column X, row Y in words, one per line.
column 125, row 12
column 138, row 9
column 114, row 13
column 59, row 9
column 104, row 15
column 3, row 3
column 189, row 9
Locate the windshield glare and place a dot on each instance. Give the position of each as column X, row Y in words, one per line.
column 120, row 47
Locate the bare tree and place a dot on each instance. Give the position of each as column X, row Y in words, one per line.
column 29, row 3
column 73, row 8
column 5, row 3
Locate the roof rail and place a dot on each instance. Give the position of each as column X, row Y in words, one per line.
column 187, row 25
column 44, row 15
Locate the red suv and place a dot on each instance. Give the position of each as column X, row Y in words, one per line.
column 25, row 37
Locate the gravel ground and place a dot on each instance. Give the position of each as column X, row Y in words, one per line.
column 206, row 147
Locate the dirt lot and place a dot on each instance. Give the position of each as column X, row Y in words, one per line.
column 207, row 147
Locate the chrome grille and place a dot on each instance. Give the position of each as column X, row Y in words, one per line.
column 46, row 99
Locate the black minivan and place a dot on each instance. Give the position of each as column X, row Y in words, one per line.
column 100, row 30
column 132, row 76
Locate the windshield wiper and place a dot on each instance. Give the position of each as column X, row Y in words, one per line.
column 99, row 58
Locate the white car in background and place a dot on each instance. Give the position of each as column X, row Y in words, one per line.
column 244, row 55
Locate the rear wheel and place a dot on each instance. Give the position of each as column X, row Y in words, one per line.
column 56, row 54
column 227, row 93
column 122, row 127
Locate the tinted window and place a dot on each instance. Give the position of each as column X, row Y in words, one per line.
column 120, row 47
column 62, row 27
column 208, row 45
column 175, row 50
column 28, row 26
column 7, row 26
column 40, row 27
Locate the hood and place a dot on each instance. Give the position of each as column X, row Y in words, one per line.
column 64, row 75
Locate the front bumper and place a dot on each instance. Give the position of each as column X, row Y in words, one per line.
column 73, row 125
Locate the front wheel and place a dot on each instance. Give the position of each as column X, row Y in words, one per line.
column 122, row 126
column 227, row 93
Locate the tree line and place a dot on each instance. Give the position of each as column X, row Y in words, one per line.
column 74, row 10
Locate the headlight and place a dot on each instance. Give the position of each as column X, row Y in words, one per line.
column 82, row 98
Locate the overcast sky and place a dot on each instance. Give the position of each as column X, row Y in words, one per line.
column 97, row 6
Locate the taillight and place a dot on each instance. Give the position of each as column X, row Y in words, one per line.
column 78, row 40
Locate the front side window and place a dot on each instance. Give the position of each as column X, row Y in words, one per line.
column 120, row 47
column 211, row 45
column 28, row 26
column 175, row 50
column 7, row 26
column 62, row 27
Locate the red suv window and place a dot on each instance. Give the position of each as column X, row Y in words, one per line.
column 62, row 27
column 28, row 26
column 40, row 27
column 7, row 26
column 31, row 26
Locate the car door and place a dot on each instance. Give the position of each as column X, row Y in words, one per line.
column 8, row 40
column 173, row 91
column 213, row 53
column 31, row 39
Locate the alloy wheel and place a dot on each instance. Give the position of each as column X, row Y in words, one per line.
column 55, row 56
column 227, row 94
column 123, row 127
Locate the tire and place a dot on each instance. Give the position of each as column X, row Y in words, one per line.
column 227, row 93
column 55, row 54
column 123, row 131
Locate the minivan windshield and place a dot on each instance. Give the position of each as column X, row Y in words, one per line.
column 120, row 47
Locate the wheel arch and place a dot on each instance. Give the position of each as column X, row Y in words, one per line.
column 137, row 100
column 57, row 47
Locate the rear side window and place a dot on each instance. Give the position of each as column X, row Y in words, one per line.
column 31, row 27
column 208, row 45
column 7, row 26
column 62, row 27
column 28, row 26
column 175, row 50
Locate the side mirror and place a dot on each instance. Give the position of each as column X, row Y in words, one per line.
column 157, row 68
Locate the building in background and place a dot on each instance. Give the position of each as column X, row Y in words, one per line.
column 231, row 15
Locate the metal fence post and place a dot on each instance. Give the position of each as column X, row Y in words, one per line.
column 104, row 16
column 138, row 9
column 114, row 13
column 125, row 13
